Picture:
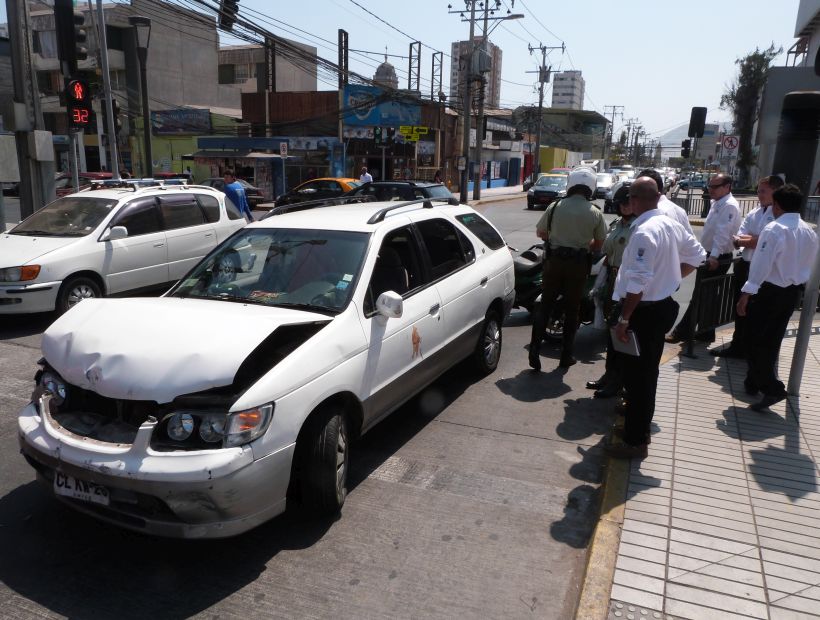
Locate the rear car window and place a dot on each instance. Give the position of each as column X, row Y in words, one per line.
column 180, row 211
column 210, row 205
column 140, row 217
column 438, row 191
column 233, row 212
column 443, row 247
column 482, row 229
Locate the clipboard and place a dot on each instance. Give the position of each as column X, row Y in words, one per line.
column 630, row 347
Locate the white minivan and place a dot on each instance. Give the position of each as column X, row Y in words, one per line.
column 102, row 242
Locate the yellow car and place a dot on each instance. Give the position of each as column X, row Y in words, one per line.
column 316, row 189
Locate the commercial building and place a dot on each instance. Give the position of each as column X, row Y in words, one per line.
column 242, row 65
column 486, row 62
column 568, row 90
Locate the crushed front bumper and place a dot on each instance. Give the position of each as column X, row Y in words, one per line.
column 198, row 494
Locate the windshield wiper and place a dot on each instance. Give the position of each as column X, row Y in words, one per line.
column 308, row 307
column 33, row 233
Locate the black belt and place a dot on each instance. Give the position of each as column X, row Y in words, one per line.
column 643, row 304
column 564, row 252
column 781, row 288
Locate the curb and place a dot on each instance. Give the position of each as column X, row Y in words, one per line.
column 596, row 587
column 499, row 198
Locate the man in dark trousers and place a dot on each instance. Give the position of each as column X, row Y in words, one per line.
column 572, row 229
column 719, row 231
column 659, row 254
column 781, row 265
column 746, row 239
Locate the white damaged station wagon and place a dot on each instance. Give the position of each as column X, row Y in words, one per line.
column 202, row 412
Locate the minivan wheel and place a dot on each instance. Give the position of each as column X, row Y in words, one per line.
column 488, row 349
column 325, row 459
column 74, row 290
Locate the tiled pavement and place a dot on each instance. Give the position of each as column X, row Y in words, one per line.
column 722, row 520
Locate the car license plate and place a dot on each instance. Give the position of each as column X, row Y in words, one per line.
column 69, row 486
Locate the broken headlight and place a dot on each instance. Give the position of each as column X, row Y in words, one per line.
column 202, row 430
column 48, row 380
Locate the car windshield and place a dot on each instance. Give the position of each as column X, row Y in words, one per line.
column 438, row 191
column 604, row 178
column 71, row 216
column 313, row 270
column 552, row 182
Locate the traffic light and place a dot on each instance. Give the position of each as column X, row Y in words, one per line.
column 71, row 36
column 378, row 135
column 115, row 106
column 78, row 102
column 227, row 14
column 685, row 147
column 391, row 134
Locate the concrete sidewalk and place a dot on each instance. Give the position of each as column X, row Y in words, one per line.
column 722, row 520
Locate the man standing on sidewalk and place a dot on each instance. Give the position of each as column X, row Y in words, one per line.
column 659, row 254
column 746, row 239
column 236, row 193
column 785, row 254
column 572, row 229
column 721, row 225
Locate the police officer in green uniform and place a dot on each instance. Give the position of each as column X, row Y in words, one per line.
column 572, row 229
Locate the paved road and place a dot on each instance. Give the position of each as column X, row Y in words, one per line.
column 477, row 499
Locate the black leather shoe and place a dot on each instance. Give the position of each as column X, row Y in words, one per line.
column 535, row 359
column 673, row 338
column 768, row 400
column 727, row 352
column 608, row 391
column 567, row 361
column 750, row 387
column 597, row 385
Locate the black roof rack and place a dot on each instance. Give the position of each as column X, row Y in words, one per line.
column 316, row 204
column 427, row 203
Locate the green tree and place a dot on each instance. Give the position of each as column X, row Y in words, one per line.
column 741, row 98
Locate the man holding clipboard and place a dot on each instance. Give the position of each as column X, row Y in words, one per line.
column 660, row 253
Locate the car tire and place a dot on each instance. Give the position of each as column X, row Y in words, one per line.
column 324, row 463
column 488, row 348
column 74, row 290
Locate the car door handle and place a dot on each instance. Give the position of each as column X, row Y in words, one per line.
column 210, row 234
column 159, row 245
column 484, row 280
column 434, row 309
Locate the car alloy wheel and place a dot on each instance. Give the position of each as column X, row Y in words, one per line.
column 76, row 290
column 488, row 348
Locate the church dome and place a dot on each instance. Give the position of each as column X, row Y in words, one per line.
column 386, row 75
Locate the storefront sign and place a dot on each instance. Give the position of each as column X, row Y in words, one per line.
column 371, row 106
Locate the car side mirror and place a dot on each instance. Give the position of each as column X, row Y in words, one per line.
column 115, row 232
column 390, row 305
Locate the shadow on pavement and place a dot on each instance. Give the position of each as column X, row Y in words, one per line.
column 18, row 326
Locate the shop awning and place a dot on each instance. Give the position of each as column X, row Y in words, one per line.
column 221, row 154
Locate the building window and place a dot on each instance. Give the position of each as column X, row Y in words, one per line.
column 44, row 43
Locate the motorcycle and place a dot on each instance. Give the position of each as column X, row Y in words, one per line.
column 528, row 268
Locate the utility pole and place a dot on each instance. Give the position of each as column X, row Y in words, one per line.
column 36, row 177
column 608, row 143
column 543, row 78
column 466, row 66
column 109, row 106
column 479, row 121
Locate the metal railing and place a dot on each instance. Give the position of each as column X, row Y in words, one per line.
column 713, row 305
column 694, row 206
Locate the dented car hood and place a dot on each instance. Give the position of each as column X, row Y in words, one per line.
column 157, row 349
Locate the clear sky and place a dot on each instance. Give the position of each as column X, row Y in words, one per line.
column 657, row 58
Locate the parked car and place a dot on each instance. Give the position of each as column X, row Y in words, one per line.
column 604, row 180
column 316, row 189
column 400, row 190
column 253, row 194
column 546, row 190
column 101, row 242
column 205, row 412
column 560, row 171
column 697, row 180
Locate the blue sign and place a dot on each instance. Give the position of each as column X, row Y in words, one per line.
column 374, row 107
column 181, row 121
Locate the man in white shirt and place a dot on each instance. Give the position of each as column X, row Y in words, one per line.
column 659, row 254
column 746, row 239
column 365, row 177
column 666, row 206
column 719, row 231
column 781, row 265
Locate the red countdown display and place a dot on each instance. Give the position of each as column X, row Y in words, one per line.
column 78, row 98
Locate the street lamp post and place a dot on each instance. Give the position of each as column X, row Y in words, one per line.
column 142, row 31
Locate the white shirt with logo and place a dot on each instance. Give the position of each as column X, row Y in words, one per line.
column 753, row 224
column 721, row 226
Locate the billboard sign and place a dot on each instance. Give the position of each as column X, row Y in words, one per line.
column 372, row 107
